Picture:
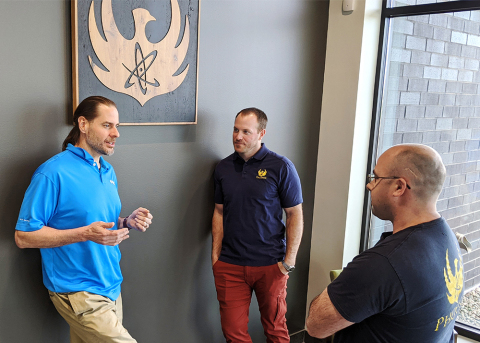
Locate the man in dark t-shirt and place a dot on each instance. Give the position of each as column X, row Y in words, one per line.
column 407, row 288
column 253, row 250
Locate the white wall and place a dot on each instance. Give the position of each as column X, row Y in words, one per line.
column 352, row 42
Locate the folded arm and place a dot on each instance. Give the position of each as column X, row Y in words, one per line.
column 323, row 318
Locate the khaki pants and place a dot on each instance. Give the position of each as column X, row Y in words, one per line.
column 92, row 318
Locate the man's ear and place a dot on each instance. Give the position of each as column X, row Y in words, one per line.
column 262, row 133
column 400, row 187
column 82, row 123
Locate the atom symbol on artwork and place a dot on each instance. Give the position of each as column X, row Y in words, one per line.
column 141, row 68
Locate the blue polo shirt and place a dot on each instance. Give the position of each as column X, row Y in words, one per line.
column 69, row 191
column 253, row 194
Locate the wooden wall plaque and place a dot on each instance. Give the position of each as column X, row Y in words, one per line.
column 142, row 54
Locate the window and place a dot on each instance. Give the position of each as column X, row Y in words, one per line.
column 428, row 91
column 399, row 3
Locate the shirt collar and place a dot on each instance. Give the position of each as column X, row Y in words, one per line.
column 84, row 154
column 385, row 235
column 260, row 154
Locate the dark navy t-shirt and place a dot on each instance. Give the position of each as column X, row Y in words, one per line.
column 407, row 288
column 253, row 194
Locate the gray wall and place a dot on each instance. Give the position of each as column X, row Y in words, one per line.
column 268, row 54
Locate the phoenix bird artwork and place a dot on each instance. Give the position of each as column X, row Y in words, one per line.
column 454, row 282
column 138, row 67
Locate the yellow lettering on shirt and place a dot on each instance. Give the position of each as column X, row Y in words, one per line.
column 447, row 319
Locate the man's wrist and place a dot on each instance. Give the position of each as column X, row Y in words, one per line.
column 83, row 233
column 288, row 268
column 289, row 260
column 125, row 223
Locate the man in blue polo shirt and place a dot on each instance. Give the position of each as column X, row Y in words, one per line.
column 408, row 287
column 252, row 248
column 71, row 211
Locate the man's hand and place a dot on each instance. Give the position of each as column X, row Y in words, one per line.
column 140, row 219
column 282, row 268
column 98, row 232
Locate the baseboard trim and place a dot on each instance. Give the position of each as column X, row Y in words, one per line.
column 298, row 337
column 304, row 337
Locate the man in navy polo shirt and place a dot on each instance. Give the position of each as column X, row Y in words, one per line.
column 252, row 249
column 407, row 288
column 71, row 211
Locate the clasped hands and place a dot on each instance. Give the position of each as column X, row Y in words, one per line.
column 99, row 232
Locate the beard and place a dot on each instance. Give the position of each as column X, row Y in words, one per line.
column 97, row 145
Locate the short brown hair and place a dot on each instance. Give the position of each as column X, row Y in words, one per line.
column 261, row 116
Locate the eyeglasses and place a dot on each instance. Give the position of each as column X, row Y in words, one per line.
column 371, row 177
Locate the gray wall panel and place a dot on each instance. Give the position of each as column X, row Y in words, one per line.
column 268, row 54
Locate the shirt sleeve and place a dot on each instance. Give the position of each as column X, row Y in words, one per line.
column 39, row 204
column 290, row 189
column 367, row 286
column 217, row 188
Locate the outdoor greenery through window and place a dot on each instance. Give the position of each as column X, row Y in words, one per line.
column 429, row 90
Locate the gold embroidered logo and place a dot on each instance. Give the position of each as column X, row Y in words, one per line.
column 454, row 283
column 138, row 67
column 262, row 174
column 454, row 289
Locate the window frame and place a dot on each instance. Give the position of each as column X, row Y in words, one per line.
column 387, row 14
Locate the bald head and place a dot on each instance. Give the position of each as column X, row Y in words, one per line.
column 421, row 165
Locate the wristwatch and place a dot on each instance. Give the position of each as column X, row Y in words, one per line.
column 125, row 225
column 287, row 267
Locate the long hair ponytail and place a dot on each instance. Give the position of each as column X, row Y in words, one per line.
column 88, row 108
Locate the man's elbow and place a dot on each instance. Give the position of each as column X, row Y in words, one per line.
column 315, row 330
column 19, row 240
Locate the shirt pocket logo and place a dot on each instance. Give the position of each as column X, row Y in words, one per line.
column 262, row 174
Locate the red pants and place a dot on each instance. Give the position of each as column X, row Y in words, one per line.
column 234, row 293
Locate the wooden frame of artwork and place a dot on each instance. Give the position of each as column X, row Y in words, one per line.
column 142, row 54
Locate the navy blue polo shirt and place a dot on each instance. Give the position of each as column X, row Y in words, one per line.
column 253, row 194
